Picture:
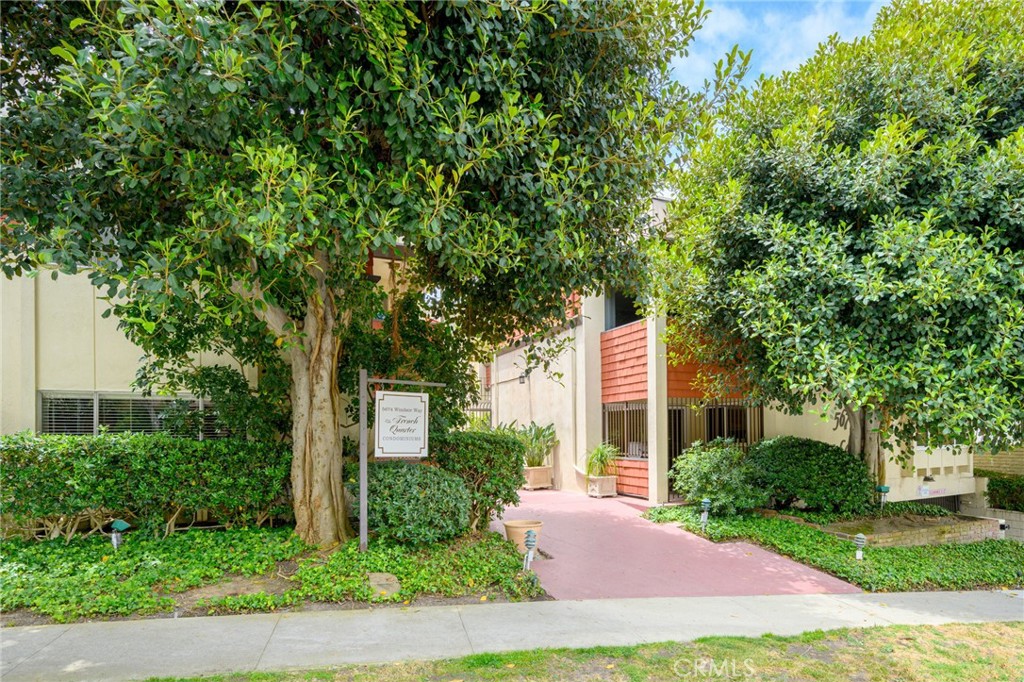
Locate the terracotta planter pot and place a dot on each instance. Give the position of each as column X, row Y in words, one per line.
column 537, row 477
column 515, row 531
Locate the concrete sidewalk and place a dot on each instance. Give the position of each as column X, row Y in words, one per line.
column 128, row 650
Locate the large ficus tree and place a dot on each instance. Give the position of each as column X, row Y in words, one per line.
column 225, row 169
column 853, row 232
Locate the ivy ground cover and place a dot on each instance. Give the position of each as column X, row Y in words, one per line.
column 978, row 565
column 86, row 578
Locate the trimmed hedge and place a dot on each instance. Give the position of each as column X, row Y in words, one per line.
column 491, row 466
column 824, row 477
column 1005, row 491
column 53, row 485
column 409, row 502
column 719, row 472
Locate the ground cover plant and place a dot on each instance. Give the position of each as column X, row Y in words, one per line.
column 978, row 565
column 86, row 578
column 976, row 652
column 890, row 510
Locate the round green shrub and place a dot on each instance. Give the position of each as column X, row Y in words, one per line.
column 824, row 477
column 490, row 464
column 717, row 471
column 414, row 503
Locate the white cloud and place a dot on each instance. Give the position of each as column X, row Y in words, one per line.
column 782, row 35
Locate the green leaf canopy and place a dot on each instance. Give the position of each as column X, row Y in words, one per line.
column 225, row 170
column 854, row 232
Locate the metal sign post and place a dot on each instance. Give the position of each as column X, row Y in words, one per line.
column 364, row 399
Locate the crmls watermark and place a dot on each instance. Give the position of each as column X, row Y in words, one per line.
column 709, row 668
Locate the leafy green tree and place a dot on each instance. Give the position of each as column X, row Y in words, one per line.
column 224, row 170
column 406, row 342
column 853, row 232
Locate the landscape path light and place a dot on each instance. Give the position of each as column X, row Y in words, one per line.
column 705, row 506
column 531, row 543
column 882, row 490
column 860, row 540
column 117, row 528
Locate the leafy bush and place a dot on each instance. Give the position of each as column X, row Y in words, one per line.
column 491, row 466
column 824, row 477
column 716, row 471
column 55, row 484
column 977, row 565
column 601, row 458
column 413, row 503
column 1005, row 491
column 539, row 441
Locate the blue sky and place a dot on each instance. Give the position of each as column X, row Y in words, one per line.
column 782, row 35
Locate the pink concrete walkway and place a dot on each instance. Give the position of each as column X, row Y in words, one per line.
column 602, row 549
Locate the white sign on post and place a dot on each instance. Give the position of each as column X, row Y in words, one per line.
column 401, row 424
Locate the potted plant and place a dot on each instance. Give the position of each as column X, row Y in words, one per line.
column 539, row 441
column 600, row 479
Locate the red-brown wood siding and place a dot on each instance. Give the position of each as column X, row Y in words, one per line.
column 631, row 477
column 624, row 363
column 681, row 380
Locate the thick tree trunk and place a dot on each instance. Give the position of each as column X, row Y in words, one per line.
column 319, row 501
column 863, row 441
column 855, row 418
column 873, row 451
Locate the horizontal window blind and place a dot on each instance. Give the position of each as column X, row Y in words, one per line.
column 83, row 414
column 68, row 414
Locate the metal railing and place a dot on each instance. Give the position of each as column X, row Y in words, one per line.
column 624, row 425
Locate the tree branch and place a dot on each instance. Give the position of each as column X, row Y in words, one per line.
column 270, row 314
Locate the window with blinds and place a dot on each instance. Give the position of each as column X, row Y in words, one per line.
column 84, row 414
column 68, row 414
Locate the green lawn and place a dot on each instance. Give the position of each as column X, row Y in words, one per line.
column 86, row 578
column 979, row 565
column 986, row 652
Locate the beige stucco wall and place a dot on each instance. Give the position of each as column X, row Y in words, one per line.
column 53, row 337
column 657, row 412
column 540, row 398
column 571, row 401
column 810, row 424
column 17, row 355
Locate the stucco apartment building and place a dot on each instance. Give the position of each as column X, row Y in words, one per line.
column 64, row 368
column 615, row 384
